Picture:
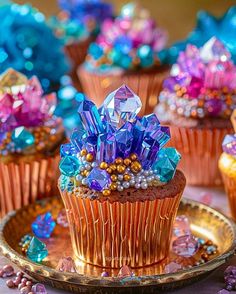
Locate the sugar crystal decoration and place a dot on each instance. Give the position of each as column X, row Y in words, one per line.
column 229, row 142
column 43, row 226
column 37, row 250
column 115, row 149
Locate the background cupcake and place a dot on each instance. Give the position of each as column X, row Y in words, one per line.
column 78, row 24
column 126, row 51
column 29, row 140
column 22, row 47
column 196, row 102
column 119, row 180
column 227, row 165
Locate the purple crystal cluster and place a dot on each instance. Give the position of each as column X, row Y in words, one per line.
column 129, row 41
column 116, row 149
column 202, row 82
column 23, row 109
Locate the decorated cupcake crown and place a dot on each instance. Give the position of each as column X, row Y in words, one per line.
column 202, row 83
column 229, row 142
column 80, row 18
column 116, row 149
column 26, row 117
column 22, row 47
column 224, row 28
column 129, row 41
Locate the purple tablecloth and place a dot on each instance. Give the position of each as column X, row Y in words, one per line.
column 210, row 285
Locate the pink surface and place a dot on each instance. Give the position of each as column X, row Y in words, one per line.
column 210, row 285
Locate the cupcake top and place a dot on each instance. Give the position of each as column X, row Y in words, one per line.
column 27, row 124
column 80, row 18
column 116, row 150
column 208, row 26
column 131, row 41
column 23, row 48
column 202, row 84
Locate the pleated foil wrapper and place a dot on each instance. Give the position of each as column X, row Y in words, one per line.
column 200, row 150
column 230, row 189
column 25, row 182
column 147, row 85
column 111, row 235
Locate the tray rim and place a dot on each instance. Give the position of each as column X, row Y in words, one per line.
column 74, row 278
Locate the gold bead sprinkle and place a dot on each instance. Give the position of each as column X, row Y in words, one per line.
column 127, row 177
column 114, row 178
column 113, row 186
column 127, row 161
column 106, row 192
column 133, row 156
column 83, row 152
column 89, row 157
column 103, row 165
column 113, row 167
column 118, row 160
column 121, row 168
column 109, row 170
column 136, row 167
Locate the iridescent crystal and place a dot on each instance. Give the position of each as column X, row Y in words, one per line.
column 37, row 250
column 67, row 149
column 98, row 179
column 39, row 289
column 22, row 138
column 124, row 139
column 69, row 166
column 181, row 226
column 121, row 106
column 229, row 144
column 66, row 264
column 185, row 246
column 43, row 226
column 78, row 138
column 125, row 271
column 106, row 148
column 12, row 82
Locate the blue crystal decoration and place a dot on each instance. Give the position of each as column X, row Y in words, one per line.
column 115, row 131
column 22, row 138
column 98, row 179
column 207, row 26
column 43, row 226
column 165, row 165
column 37, row 250
column 229, row 144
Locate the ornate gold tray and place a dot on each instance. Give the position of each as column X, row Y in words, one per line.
column 205, row 222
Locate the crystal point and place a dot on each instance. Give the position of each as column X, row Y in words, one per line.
column 43, row 226
column 69, row 166
column 66, row 264
column 39, row 289
column 229, row 144
column 98, row 179
column 22, row 138
column 106, row 148
column 124, row 138
column 37, row 250
column 185, row 246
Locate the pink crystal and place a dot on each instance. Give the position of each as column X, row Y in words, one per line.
column 39, row 289
column 181, row 226
column 206, row 198
column 172, row 267
column 194, row 88
column 66, row 264
column 185, row 246
column 6, row 103
column 125, row 271
column 62, row 218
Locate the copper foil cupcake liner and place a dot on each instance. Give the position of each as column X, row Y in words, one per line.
column 230, row 189
column 114, row 234
column 147, row 85
column 200, row 150
column 23, row 183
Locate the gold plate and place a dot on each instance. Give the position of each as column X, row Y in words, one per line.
column 205, row 222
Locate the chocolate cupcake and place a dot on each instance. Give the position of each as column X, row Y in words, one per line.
column 196, row 103
column 227, row 166
column 119, row 185
column 29, row 140
column 126, row 51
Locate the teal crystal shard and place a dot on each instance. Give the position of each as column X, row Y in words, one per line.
column 106, row 147
column 121, row 106
column 69, row 166
column 77, row 138
column 90, row 117
column 37, row 250
column 22, row 138
column 124, row 139
column 165, row 164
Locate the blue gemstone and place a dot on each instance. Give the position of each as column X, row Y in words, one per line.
column 90, row 117
column 67, row 149
column 165, row 164
column 43, row 226
column 98, row 179
column 69, row 166
column 77, row 138
column 229, row 144
column 148, row 152
column 123, row 43
column 106, row 148
column 145, row 53
column 124, row 139
column 95, row 51
column 91, row 143
column 162, row 135
column 150, row 122
column 37, row 250
column 138, row 135
column 22, row 138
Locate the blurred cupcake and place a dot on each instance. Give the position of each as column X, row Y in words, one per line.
column 126, row 51
column 23, row 48
column 227, row 165
column 77, row 24
column 119, row 185
column 196, row 102
column 208, row 26
column 29, row 140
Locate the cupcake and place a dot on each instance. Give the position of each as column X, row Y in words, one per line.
column 126, row 51
column 208, row 26
column 119, row 184
column 227, row 166
column 196, row 103
column 77, row 25
column 29, row 139
column 23, row 48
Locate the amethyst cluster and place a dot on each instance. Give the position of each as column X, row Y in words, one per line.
column 129, row 41
column 202, row 82
column 116, row 149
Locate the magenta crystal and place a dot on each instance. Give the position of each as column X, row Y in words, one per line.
column 185, row 246
column 194, row 87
